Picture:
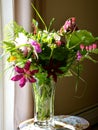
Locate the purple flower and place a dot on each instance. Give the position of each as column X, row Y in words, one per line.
column 24, row 74
column 36, row 46
column 79, row 55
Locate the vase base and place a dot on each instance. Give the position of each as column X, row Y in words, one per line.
column 43, row 125
column 43, row 128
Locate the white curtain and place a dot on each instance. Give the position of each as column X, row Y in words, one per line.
column 23, row 96
column 6, row 86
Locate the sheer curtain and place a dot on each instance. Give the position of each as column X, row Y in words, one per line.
column 23, row 96
column 1, row 79
column 6, row 86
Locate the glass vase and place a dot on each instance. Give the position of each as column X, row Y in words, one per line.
column 44, row 94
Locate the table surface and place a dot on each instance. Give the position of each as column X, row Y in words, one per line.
column 63, row 122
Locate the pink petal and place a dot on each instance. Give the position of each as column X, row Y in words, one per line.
column 16, row 77
column 87, row 48
column 32, row 80
column 27, row 65
column 19, row 70
column 94, row 46
column 73, row 20
column 38, row 48
column 82, row 46
column 22, row 81
column 90, row 47
column 34, row 71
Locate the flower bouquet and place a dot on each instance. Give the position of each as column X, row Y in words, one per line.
column 43, row 55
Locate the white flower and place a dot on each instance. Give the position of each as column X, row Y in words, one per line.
column 20, row 40
column 57, row 37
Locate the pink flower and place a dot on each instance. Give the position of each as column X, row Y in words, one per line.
column 87, row 48
column 82, row 47
column 58, row 43
column 24, row 74
column 94, row 46
column 70, row 25
column 67, row 25
column 79, row 55
column 90, row 47
column 73, row 20
column 36, row 46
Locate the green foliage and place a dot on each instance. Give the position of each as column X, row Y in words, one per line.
column 60, row 53
column 11, row 31
column 53, row 53
column 35, row 23
column 46, row 52
column 78, row 37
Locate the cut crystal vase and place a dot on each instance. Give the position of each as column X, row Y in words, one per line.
column 44, row 94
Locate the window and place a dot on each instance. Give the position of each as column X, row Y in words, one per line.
column 6, row 86
column 1, row 78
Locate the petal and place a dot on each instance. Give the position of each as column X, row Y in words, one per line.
column 22, row 81
column 38, row 48
column 31, row 79
column 27, row 65
column 17, row 77
column 19, row 70
column 34, row 71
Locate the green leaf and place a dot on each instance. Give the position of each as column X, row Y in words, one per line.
column 43, row 78
column 9, row 44
column 8, row 32
column 46, row 52
column 78, row 37
column 11, row 30
column 67, row 73
column 35, row 23
column 51, row 22
column 60, row 53
column 95, row 51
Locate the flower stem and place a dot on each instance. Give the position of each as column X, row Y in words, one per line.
column 39, row 16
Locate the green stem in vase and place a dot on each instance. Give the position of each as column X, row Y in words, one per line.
column 44, row 101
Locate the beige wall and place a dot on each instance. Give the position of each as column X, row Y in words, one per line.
column 86, row 13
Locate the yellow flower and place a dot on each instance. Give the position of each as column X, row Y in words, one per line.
column 12, row 58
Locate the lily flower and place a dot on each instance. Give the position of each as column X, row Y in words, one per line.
column 24, row 74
